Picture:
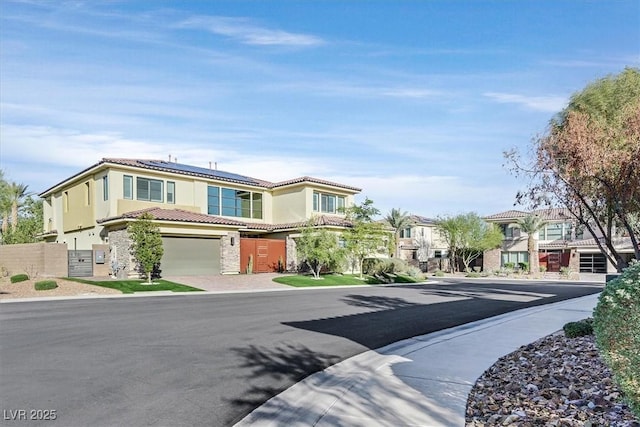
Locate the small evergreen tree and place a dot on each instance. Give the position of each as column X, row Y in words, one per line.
column 146, row 243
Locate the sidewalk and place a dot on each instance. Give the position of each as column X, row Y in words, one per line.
column 421, row 381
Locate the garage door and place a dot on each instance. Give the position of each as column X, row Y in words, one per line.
column 186, row 256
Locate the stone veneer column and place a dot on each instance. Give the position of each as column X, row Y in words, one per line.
column 120, row 254
column 574, row 261
column 491, row 260
column 230, row 254
column 292, row 255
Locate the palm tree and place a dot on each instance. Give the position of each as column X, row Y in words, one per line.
column 532, row 224
column 398, row 220
column 5, row 202
column 17, row 192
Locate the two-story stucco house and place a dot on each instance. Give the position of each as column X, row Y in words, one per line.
column 561, row 243
column 420, row 244
column 210, row 220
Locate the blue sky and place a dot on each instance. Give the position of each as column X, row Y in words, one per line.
column 413, row 101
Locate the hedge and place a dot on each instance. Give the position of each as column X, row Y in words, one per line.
column 617, row 330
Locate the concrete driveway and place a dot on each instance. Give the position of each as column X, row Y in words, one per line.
column 231, row 282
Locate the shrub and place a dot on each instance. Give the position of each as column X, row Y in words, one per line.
column 509, row 265
column 438, row 273
column 45, row 285
column 473, row 274
column 524, row 266
column 579, row 328
column 616, row 320
column 19, row 278
column 378, row 266
column 414, row 272
column 565, row 272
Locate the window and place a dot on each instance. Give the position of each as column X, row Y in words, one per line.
column 514, row 257
column 231, row 202
column 213, row 200
column 256, row 207
column 128, row 187
column 87, row 193
column 105, row 187
column 553, row 232
column 558, row 231
column 405, row 233
column 509, row 231
column 149, row 189
column 328, row 203
column 171, row 192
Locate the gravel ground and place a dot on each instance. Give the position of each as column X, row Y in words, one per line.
column 555, row 381
column 27, row 289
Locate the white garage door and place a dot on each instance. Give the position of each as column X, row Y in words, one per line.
column 188, row 256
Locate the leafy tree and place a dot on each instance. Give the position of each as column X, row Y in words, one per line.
column 365, row 237
column 29, row 226
column 146, row 243
column 398, row 220
column 531, row 224
column 468, row 236
column 318, row 248
column 589, row 162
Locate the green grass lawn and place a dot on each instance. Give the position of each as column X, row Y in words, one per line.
column 302, row 281
column 131, row 286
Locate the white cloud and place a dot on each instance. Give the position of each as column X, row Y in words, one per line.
column 431, row 195
column 550, row 103
column 247, row 32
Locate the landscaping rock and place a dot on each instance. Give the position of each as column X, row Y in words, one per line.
column 555, row 381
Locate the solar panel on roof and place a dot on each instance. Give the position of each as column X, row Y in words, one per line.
column 202, row 171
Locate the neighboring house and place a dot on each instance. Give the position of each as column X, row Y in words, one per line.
column 420, row 244
column 562, row 243
column 210, row 220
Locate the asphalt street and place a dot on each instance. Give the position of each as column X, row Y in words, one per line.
column 208, row 360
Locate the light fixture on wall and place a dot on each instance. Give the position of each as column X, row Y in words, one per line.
column 233, row 241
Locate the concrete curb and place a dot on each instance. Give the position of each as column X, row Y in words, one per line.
column 334, row 396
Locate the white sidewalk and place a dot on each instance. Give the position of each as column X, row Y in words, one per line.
column 421, row 381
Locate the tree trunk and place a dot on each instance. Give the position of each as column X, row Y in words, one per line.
column 5, row 223
column 533, row 255
column 14, row 216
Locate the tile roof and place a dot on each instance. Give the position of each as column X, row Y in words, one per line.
column 620, row 243
column 417, row 219
column 322, row 220
column 181, row 215
column 180, row 168
column 315, row 181
column 184, row 169
column 552, row 214
column 178, row 215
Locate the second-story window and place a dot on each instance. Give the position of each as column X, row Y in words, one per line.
column 105, row 187
column 149, row 189
column 127, row 187
column 232, row 202
column 327, row 203
column 87, row 194
column 405, row 233
column 171, row 192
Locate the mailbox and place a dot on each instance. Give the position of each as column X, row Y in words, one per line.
column 99, row 257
